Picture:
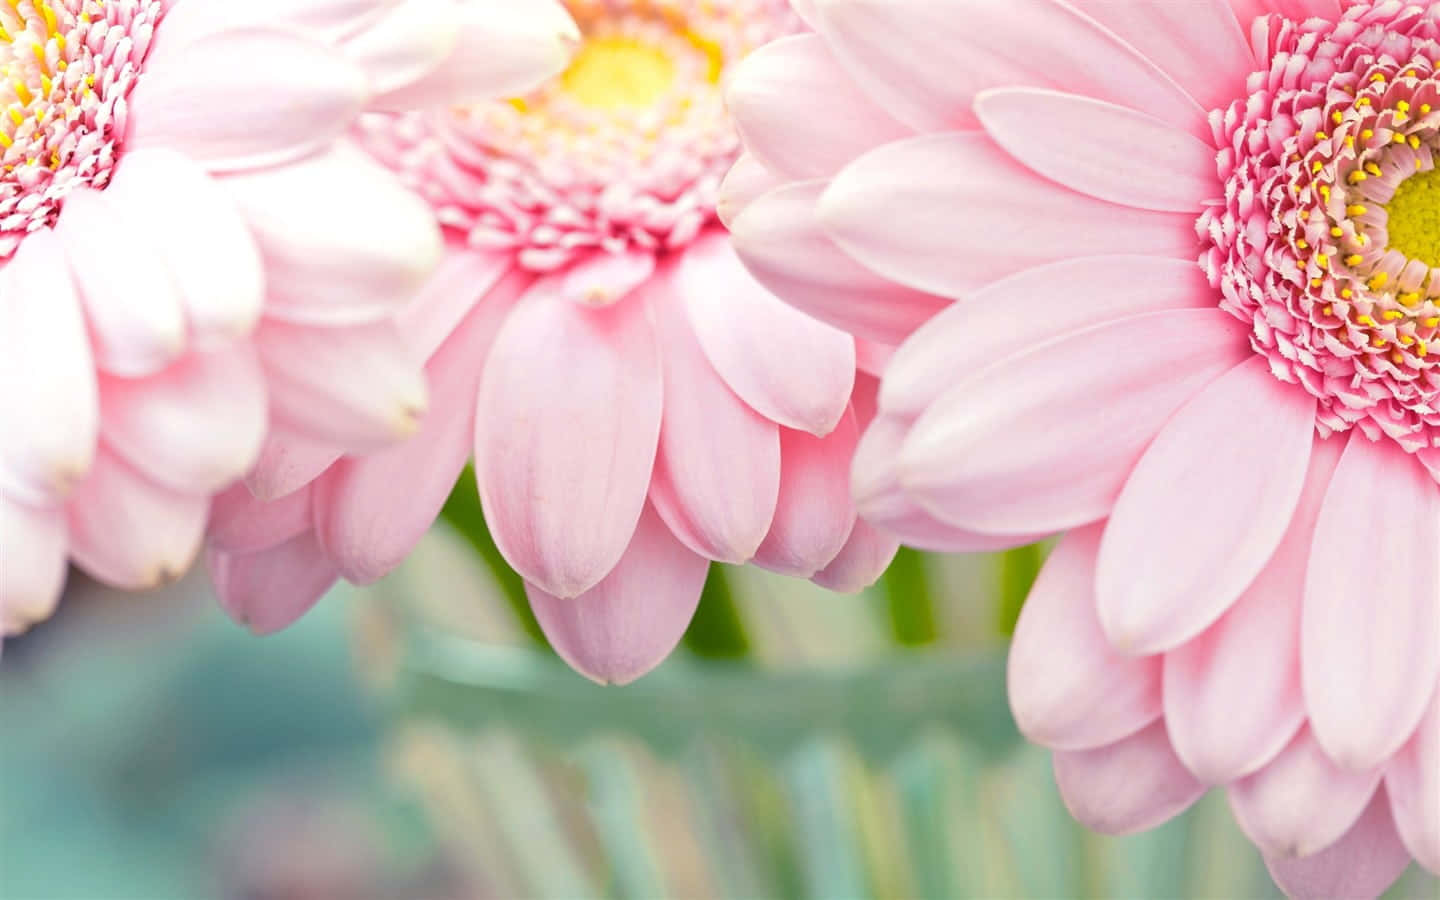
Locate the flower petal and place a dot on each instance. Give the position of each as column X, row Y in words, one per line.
column 1413, row 782
column 1069, row 688
column 405, row 43
column 270, row 590
column 717, row 473
column 1363, row 863
column 130, row 532
column 242, row 523
column 790, row 368
column 1369, row 670
column 815, row 515
column 1129, row 786
column 33, row 573
column 48, row 440
column 1044, row 440
column 745, row 181
column 951, row 212
column 630, row 621
column 866, row 555
column 779, row 239
column 567, row 425
column 288, row 461
column 1204, row 508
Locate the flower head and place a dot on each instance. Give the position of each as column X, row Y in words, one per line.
column 1245, row 454
column 635, row 403
column 191, row 251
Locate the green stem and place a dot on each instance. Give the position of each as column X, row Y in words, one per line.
column 909, row 600
column 717, row 631
column 464, row 514
column 1018, row 570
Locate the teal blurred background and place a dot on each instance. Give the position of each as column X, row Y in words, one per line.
column 413, row 741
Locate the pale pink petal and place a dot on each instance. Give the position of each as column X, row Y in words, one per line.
column 951, row 212
column 860, row 563
column 1301, row 802
column 197, row 426
column 607, row 277
column 800, row 114
column 1299, row 10
column 180, row 211
column 872, row 358
column 745, row 181
column 210, row 100
column 269, row 590
column 717, row 474
column 1069, row 688
column 1204, row 509
column 815, row 515
column 567, row 425
column 372, row 510
column 1362, row 864
column 288, row 461
column 1044, row 440
column 906, row 57
column 981, row 328
column 48, row 438
column 1198, row 43
column 792, row 369
column 130, row 532
column 342, row 241
column 32, row 563
column 405, row 43
column 358, row 387
column 134, row 310
column 505, row 49
column 1368, row 649
column 242, row 523
column 779, row 239
column 629, row 622
column 1103, row 150
column 1129, row 786
column 1413, row 782
column 462, row 279
column 1229, row 708
column 187, row 21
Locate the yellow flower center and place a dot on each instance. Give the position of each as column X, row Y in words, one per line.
column 1414, row 218
column 616, row 72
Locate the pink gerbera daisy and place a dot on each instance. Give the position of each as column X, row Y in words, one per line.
column 1245, row 453
column 637, row 405
column 187, row 251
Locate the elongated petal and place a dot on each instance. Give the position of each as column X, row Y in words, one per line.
column 136, row 317
column 1204, row 509
column 1129, row 786
column 981, row 329
column 1301, row 802
column 567, row 425
column 288, row 461
column 800, row 114
column 195, row 427
column 1069, row 688
column 211, row 101
column 329, row 20
column 342, row 241
column 405, row 43
column 717, row 473
column 359, row 387
column 630, row 621
column 459, row 283
column 1106, row 151
column 866, row 555
column 607, row 277
column 270, row 590
column 779, row 238
column 745, row 181
column 792, row 369
column 815, row 515
column 1413, row 782
column 1043, row 440
column 951, row 212
column 1363, row 863
column 1228, row 708
column 130, row 532
column 242, row 523
column 48, row 439
column 32, row 564
column 1368, row 675
column 182, row 212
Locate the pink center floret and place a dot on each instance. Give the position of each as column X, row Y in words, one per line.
column 623, row 152
column 1302, row 246
column 68, row 67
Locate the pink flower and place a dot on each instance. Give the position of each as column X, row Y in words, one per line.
column 1244, row 453
column 637, row 405
column 188, row 250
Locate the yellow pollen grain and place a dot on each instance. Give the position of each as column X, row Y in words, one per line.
column 1414, row 214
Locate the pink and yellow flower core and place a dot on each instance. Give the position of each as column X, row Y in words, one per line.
column 624, row 151
column 66, row 67
column 1328, row 239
